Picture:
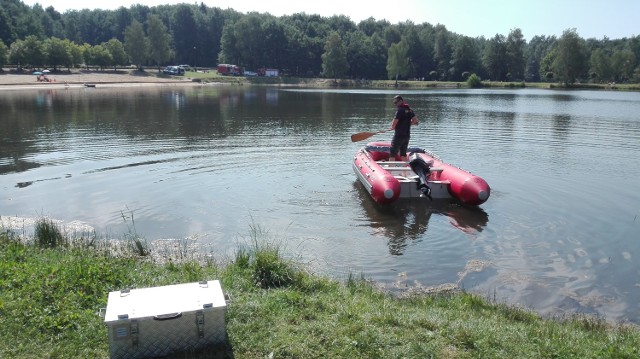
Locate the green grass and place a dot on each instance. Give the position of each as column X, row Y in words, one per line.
column 213, row 76
column 51, row 296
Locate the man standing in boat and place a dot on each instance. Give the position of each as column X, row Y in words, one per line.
column 401, row 124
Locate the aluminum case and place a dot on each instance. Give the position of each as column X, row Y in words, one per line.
column 158, row 321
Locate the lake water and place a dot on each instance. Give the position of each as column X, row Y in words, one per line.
column 559, row 234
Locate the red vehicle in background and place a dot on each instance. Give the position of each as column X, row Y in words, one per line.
column 229, row 70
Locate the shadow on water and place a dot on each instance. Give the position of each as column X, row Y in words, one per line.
column 408, row 219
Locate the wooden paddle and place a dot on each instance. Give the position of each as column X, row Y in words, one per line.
column 356, row 137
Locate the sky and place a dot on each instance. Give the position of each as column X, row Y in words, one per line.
column 614, row 19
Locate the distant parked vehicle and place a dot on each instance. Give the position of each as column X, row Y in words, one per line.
column 173, row 70
column 228, row 69
column 268, row 72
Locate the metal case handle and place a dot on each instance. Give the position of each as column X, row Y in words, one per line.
column 168, row 316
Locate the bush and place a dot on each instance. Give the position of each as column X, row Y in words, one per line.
column 48, row 234
column 474, row 81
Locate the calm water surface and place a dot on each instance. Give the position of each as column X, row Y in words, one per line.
column 560, row 233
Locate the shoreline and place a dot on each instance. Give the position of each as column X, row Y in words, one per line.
column 64, row 79
column 59, row 86
column 10, row 80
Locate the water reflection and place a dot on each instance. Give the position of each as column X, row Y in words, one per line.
column 561, row 124
column 470, row 220
column 408, row 219
column 45, row 98
column 11, row 165
column 176, row 99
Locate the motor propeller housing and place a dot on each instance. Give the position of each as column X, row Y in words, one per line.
column 422, row 168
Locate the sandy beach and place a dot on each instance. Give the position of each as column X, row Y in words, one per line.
column 11, row 80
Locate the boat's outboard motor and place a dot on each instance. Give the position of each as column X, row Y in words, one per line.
column 422, row 169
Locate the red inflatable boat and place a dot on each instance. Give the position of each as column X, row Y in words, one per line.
column 422, row 175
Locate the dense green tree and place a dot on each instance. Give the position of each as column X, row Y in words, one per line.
column 535, row 51
column 203, row 35
column 311, row 27
column 7, row 33
column 636, row 75
column 58, row 52
column 307, row 38
column 426, row 34
column 77, row 54
column 4, row 54
column 185, row 32
column 546, row 65
column 464, row 58
column 334, row 58
column 367, row 56
column 71, row 25
column 73, row 59
column 249, row 41
column 571, row 59
column 357, row 53
column 136, row 44
column 380, row 57
column 117, row 52
column 29, row 25
column 298, row 55
column 212, row 24
column 93, row 26
column 140, row 12
column 89, row 26
column 18, row 54
column 258, row 40
column 50, row 20
column 415, row 51
column 159, row 41
column 121, row 19
column 623, row 61
column 341, row 24
column 99, row 56
column 372, row 26
column 275, row 44
column 27, row 52
column 442, row 51
column 600, row 66
column 392, row 35
column 205, row 46
column 515, row 54
column 495, row 58
column 397, row 62
column 87, row 55
column 15, row 13
column 228, row 51
column 634, row 45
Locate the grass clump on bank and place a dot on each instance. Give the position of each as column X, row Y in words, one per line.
column 50, row 298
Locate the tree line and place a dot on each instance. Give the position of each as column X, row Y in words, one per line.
column 302, row 44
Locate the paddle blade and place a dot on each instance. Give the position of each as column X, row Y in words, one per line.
column 362, row 136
